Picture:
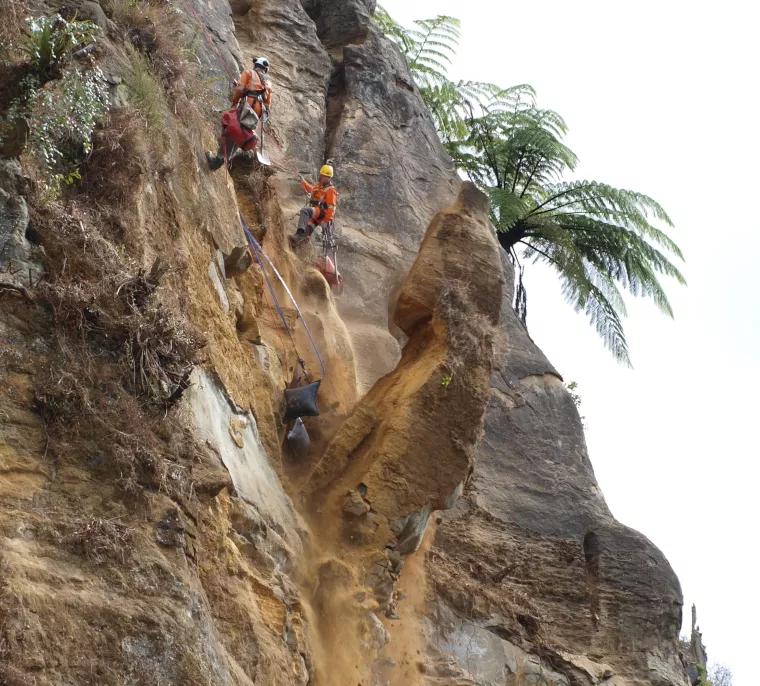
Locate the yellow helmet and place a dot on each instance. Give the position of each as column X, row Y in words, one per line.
column 326, row 170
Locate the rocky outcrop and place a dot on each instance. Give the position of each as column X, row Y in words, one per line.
column 446, row 308
column 340, row 23
column 19, row 268
column 693, row 653
column 441, row 526
column 407, row 447
column 358, row 106
column 394, row 176
column 531, row 564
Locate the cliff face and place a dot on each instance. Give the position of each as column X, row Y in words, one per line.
column 531, row 570
column 445, row 525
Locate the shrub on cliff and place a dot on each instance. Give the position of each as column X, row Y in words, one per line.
column 57, row 104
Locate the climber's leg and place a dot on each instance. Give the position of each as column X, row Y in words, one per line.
column 216, row 161
column 304, row 218
column 224, row 151
column 305, row 226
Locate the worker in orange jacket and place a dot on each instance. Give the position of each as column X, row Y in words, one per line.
column 323, row 201
column 251, row 100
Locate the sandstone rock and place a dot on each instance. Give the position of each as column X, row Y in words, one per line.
column 237, row 262
column 412, row 529
column 340, row 22
column 534, row 519
column 16, row 259
column 393, row 177
column 170, row 531
column 374, row 634
column 354, row 505
column 254, row 479
column 218, row 284
column 528, row 577
column 211, row 478
column 91, row 11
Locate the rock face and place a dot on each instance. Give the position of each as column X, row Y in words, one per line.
column 407, row 447
column 340, row 23
column 393, row 176
column 561, row 586
column 434, row 399
column 15, row 249
column 354, row 101
column 438, row 524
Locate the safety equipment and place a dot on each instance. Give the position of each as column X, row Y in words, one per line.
column 261, row 259
column 327, row 170
column 327, row 268
column 327, row 262
column 254, row 89
column 247, row 116
column 234, row 136
column 235, row 132
column 261, row 63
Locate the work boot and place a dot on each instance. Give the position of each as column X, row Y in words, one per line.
column 304, row 217
column 214, row 161
column 297, row 238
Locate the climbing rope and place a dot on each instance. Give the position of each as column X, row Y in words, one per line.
column 273, row 296
column 261, row 257
column 258, row 252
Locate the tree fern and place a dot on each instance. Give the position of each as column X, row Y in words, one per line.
column 602, row 241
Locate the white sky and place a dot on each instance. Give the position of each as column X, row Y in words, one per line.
column 660, row 97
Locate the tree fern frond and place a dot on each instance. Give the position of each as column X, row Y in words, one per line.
column 601, row 241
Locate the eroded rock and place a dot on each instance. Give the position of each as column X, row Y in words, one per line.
column 340, row 22
column 534, row 535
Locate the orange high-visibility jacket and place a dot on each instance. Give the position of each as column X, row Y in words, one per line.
column 324, row 199
column 252, row 82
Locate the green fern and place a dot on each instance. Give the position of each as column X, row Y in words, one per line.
column 428, row 48
column 601, row 241
column 51, row 41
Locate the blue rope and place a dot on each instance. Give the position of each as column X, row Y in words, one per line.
column 258, row 252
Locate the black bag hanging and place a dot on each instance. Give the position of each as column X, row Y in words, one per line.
column 298, row 439
column 301, row 402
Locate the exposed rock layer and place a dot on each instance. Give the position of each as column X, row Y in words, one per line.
column 556, row 575
column 198, row 575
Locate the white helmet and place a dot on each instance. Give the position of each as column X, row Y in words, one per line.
column 261, row 63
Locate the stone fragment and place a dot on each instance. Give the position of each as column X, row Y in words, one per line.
column 412, row 531
column 237, row 427
column 374, row 635
column 354, row 505
column 170, row 531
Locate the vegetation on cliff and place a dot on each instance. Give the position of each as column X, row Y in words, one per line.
column 600, row 240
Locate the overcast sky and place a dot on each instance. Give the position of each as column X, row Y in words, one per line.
column 660, row 97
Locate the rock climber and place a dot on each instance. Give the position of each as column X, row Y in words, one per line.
column 251, row 100
column 323, row 200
